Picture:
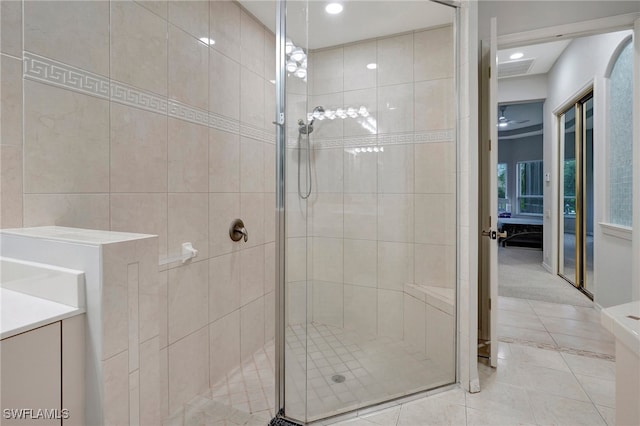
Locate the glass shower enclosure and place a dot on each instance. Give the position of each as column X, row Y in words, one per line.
column 366, row 203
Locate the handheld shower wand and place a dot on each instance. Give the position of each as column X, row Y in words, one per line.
column 306, row 129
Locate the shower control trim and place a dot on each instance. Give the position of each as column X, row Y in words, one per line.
column 237, row 231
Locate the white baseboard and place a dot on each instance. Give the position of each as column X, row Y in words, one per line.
column 547, row 267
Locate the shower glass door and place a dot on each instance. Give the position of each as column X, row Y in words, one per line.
column 369, row 289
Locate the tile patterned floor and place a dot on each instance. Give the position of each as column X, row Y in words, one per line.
column 555, row 367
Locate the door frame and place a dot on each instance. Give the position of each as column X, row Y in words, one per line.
column 552, row 33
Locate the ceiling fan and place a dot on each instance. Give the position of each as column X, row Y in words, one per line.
column 503, row 121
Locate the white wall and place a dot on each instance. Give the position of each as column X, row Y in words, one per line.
column 526, row 88
column 582, row 65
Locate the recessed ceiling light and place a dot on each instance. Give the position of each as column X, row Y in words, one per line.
column 516, row 55
column 372, row 66
column 333, row 8
column 208, row 41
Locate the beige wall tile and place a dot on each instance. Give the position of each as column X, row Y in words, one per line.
column 138, row 47
column 361, row 309
column 360, row 171
column 189, row 222
column 251, row 44
column 224, row 27
column 296, row 216
column 138, row 150
column 395, row 217
column 223, row 209
column 252, row 214
column 11, row 197
column 269, row 105
column 296, row 299
column 360, row 216
column 360, row 262
column 434, row 105
column 188, row 368
column 149, row 382
column 365, row 126
column 395, row 108
column 191, row 16
column 90, row 211
column 76, row 33
column 396, row 169
column 251, row 165
column 188, row 150
column 251, row 98
column 296, row 259
column 224, row 338
column 269, row 55
column 390, row 313
column 251, row 274
column 159, row 7
column 269, row 267
column 435, row 265
column 224, row 161
column 144, row 213
column 11, row 28
column 188, row 75
column 251, row 328
column 435, row 221
column 116, row 390
column 414, row 322
column 326, row 212
column 356, row 58
column 269, row 317
column 395, row 60
column 224, row 83
column 66, row 147
column 224, row 285
column 269, row 217
column 441, row 339
column 436, row 165
column 164, row 382
column 328, row 303
column 328, row 259
column 433, row 54
column 326, row 169
column 395, row 265
column 187, row 300
column 328, row 71
column 163, row 320
column 10, row 96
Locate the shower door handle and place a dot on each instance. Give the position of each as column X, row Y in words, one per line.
column 280, row 121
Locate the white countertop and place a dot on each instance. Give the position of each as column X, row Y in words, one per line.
column 626, row 330
column 75, row 235
column 21, row 312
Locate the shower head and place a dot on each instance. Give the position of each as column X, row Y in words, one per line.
column 306, row 129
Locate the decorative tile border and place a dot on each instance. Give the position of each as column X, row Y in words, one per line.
column 380, row 140
column 45, row 70
column 553, row 347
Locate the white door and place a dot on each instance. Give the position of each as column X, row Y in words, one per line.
column 488, row 291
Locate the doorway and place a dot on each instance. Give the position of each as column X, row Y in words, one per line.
column 575, row 189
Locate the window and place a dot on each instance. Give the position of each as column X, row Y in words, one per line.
column 529, row 187
column 503, row 200
column 620, row 138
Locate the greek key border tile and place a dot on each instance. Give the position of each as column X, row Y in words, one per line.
column 187, row 113
column 56, row 73
column 63, row 75
column 381, row 140
column 129, row 95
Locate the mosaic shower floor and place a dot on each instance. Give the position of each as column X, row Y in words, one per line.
column 373, row 369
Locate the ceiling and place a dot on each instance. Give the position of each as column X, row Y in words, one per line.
column 360, row 20
column 537, row 59
column 524, row 119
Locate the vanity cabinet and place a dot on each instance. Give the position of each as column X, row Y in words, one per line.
column 31, row 375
